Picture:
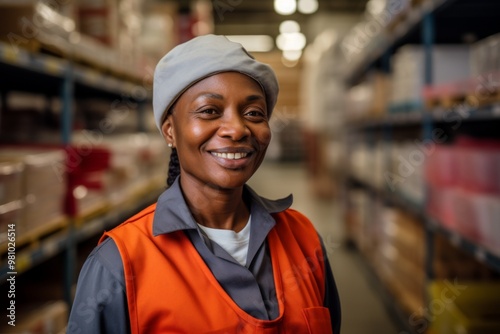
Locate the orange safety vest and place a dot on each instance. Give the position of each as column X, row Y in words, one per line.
column 170, row 289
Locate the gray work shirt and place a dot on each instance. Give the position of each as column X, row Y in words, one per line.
column 100, row 304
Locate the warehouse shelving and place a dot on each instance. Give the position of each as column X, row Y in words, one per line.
column 428, row 23
column 437, row 115
column 393, row 197
column 52, row 76
column 86, row 228
column 384, row 41
column 479, row 252
column 401, row 201
column 49, row 68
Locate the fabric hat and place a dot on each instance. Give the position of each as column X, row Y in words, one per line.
column 199, row 58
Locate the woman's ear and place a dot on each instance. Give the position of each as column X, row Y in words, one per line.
column 167, row 130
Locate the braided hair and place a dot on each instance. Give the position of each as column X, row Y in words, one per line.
column 174, row 169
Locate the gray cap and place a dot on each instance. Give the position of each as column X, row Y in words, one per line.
column 199, row 58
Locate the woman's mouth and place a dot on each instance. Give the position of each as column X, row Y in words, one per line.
column 230, row 156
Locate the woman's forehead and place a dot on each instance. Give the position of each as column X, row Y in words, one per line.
column 221, row 82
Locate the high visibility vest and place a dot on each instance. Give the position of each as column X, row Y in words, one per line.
column 170, row 289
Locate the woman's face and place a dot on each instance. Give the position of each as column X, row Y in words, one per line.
column 220, row 129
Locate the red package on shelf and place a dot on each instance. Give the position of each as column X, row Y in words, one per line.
column 441, row 167
column 479, row 164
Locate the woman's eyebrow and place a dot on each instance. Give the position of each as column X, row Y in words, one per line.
column 211, row 95
column 249, row 98
column 255, row 97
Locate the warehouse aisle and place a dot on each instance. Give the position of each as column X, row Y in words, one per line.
column 362, row 309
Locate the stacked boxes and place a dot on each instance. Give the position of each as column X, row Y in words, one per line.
column 369, row 99
column 41, row 186
column 450, row 262
column 129, row 164
column 86, row 165
column 399, row 257
column 464, row 181
column 450, row 63
column 480, row 88
column 32, row 23
column 405, row 176
column 102, row 33
column 485, row 56
column 99, row 19
column 11, row 196
column 367, row 163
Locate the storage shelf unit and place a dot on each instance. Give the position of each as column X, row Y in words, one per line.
column 48, row 75
column 36, row 72
column 58, row 242
column 431, row 22
column 432, row 224
column 437, row 115
column 385, row 41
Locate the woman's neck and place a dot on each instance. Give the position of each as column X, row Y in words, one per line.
column 214, row 207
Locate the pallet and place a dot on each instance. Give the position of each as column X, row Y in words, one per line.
column 33, row 238
column 481, row 100
column 98, row 209
column 446, row 102
column 65, row 50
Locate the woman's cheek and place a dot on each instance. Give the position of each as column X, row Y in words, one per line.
column 265, row 137
column 197, row 131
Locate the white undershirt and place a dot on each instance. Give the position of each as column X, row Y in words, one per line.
column 236, row 244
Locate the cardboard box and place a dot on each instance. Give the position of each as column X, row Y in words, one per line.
column 11, row 181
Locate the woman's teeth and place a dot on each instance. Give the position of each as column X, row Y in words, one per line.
column 232, row 156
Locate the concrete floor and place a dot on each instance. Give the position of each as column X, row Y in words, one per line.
column 362, row 308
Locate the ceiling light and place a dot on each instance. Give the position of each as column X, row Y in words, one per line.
column 289, row 26
column 308, row 6
column 292, row 55
column 291, row 41
column 285, row 7
column 289, row 63
column 253, row 43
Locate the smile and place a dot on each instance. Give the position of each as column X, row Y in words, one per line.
column 230, row 156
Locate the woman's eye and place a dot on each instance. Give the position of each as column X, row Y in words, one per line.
column 209, row 111
column 256, row 113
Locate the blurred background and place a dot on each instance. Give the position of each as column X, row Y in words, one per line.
column 386, row 131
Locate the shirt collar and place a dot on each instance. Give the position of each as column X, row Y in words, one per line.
column 172, row 213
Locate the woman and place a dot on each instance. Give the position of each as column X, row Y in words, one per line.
column 210, row 256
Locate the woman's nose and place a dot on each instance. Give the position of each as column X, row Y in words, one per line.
column 233, row 126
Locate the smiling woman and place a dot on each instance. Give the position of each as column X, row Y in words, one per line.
column 220, row 123
column 211, row 256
